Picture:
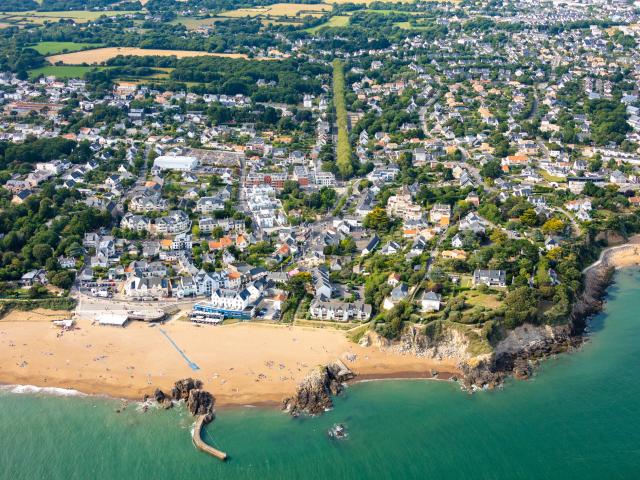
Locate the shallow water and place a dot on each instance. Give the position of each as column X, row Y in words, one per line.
column 579, row 417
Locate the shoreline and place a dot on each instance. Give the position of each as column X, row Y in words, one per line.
column 50, row 391
column 598, row 277
column 255, row 349
column 519, row 354
column 241, row 364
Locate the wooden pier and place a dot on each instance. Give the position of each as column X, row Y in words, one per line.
column 201, row 444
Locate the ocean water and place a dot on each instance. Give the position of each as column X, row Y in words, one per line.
column 579, row 417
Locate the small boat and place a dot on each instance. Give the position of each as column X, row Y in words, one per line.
column 338, row 431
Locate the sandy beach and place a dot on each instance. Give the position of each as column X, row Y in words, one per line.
column 621, row 256
column 244, row 363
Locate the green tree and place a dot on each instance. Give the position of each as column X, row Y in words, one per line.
column 343, row 149
column 377, row 220
column 491, row 169
column 41, row 252
column 520, row 307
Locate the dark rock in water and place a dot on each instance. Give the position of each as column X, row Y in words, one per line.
column 338, row 431
column 158, row 395
column 314, row 393
column 200, row 402
column 162, row 399
column 480, row 374
column 522, row 369
column 181, row 388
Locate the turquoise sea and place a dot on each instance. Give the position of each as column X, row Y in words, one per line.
column 579, row 417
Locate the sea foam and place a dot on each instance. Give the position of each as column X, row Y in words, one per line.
column 32, row 389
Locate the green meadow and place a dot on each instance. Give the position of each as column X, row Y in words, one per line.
column 52, row 48
column 337, row 21
column 62, row 71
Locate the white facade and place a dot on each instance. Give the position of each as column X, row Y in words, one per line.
column 175, row 162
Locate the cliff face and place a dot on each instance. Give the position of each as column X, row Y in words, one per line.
column 447, row 345
column 590, row 302
column 313, row 395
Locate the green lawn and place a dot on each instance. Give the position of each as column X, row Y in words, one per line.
column 551, row 178
column 52, row 48
column 408, row 26
column 487, row 300
column 62, row 72
column 337, row 21
column 193, row 23
column 39, row 18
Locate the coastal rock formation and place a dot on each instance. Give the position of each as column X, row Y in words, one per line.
column 162, row 399
column 480, row 372
column 517, row 355
column 313, row 395
column 200, row 404
column 181, row 388
column 590, row 301
column 198, row 401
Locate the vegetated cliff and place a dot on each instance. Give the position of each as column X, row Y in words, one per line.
column 313, row 395
column 484, row 366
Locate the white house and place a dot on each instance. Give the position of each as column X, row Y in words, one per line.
column 430, row 302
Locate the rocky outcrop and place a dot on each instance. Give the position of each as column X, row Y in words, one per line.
column 479, row 372
column 517, row 355
column 200, row 402
column 197, row 400
column 313, row 395
column 524, row 347
column 162, row 399
column 590, row 302
column 181, row 388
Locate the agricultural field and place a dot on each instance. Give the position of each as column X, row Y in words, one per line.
column 61, row 72
column 289, row 23
column 156, row 77
column 389, row 12
column 193, row 23
column 337, row 21
column 52, row 48
column 367, row 2
column 100, row 55
column 280, row 10
column 409, row 26
column 39, row 18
